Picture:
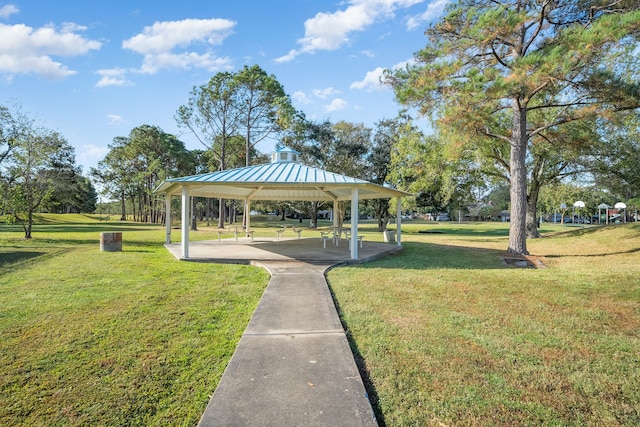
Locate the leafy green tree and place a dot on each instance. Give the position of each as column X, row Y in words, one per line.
column 40, row 160
column 552, row 156
column 379, row 165
column 615, row 163
column 10, row 129
column 265, row 107
column 73, row 193
column 213, row 114
column 86, row 196
column 135, row 166
column 489, row 65
column 154, row 156
column 422, row 165
column 113, row 174
column 342, row 147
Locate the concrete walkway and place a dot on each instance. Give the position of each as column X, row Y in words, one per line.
column 293, row 365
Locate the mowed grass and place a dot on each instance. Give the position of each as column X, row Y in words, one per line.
column 446, row 333
column 449, row 335
column 124, row 338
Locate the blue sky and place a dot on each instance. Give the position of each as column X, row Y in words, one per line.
column 95, row 70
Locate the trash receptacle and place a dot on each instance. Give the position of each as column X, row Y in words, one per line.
column 388, row 236
column 111, row 242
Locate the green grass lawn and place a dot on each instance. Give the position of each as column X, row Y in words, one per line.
column 450, row 335
column 123, row 338
column 446, row 333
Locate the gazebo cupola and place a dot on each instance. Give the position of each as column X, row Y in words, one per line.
column 285, row 154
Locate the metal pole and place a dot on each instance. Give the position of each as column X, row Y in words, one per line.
column 167, row 217
column 399, row 222
column 354, row 223
column 185, row 224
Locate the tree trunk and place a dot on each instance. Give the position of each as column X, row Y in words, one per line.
column 27, row 230
column 208, row 204
column 518, row 190
column 221, row 212
column 245, row 213
column 133, row 206
column 194, row 216
column 314, row 215
column 232, row 212
column 381, row 211
column 339, row 211
column 532, row 207
column 123, row 207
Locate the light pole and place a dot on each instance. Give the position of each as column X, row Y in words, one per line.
column 621, row 205
column 578, row 204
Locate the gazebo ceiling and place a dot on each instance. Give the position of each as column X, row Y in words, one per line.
column 277, row 181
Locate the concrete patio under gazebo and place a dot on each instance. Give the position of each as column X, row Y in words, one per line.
column 310, row 250
column 284, row 179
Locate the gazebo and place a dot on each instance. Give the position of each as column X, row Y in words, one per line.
column 284, row 178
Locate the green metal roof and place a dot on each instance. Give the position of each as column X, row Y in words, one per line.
column 277, row 181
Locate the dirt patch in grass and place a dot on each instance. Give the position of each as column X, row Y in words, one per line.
column 524, row 261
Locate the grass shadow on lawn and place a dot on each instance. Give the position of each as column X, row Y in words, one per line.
column 429, row 256
column 594, row 255
column 361, row 363
column 13, row 257
column 16, row 256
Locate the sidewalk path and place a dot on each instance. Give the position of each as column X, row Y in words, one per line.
column 293, row 365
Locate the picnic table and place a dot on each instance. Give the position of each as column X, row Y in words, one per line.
column 293, row 228
column 235, row 231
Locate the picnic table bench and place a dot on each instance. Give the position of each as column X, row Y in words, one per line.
column 293, row 228
column 335, row 234
column 227, row 230
column 235, row 230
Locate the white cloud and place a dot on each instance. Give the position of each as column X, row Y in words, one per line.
column 164, row 36
column 153, row 63
column 368, row 54
column 115, row 119
column 329, row 31
column 289, row 56
column 370, row 82
column 434, row 10
column 24, row 50
column 158, row 42
column 91, row 154
column 112, row 77
column 403, row 64
column 325, row 93
column 336, row 105
column 7, row 10
column 301, row 97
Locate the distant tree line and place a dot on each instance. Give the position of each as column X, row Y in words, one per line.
column 527, row 101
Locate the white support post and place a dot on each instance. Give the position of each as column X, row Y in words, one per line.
column 399, row 222
column 334, row 214
column 186, row 219
column 248, row 220
column 354, row 223
column 167, row 216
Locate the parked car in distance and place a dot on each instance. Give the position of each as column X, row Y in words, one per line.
column 581, row 220
column 442, row 217
column 556, row 218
